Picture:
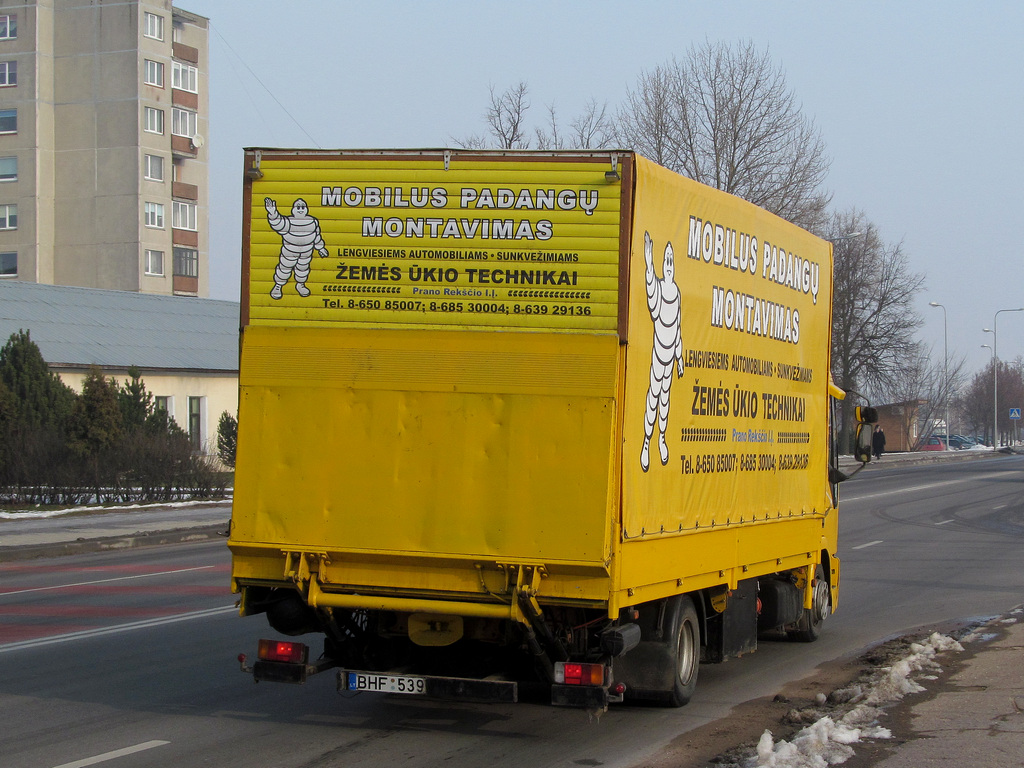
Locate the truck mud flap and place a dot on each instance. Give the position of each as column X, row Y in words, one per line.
column 286, row 672
column 448, row 688
column 584, row 696
column 279, row 672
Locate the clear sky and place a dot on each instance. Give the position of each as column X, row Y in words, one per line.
column 920, row 103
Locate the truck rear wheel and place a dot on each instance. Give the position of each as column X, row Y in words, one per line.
column 684, row 638
column 809, row 627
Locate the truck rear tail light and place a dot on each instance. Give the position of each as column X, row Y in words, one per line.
column 279, row 650
column 572, row 673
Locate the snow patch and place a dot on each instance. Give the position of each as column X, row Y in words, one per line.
column 828, row 741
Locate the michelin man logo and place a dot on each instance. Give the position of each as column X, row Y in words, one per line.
column 300, row 235
column 665, row 305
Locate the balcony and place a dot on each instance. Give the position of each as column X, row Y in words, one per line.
column 185, row 237
column 183, row 145
column 184, row 284
column 184, row 99
column 185, row 53
column 184, row 191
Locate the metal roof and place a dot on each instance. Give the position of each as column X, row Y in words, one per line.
column 79, row 327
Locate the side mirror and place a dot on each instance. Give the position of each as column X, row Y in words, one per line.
column 866, row 414
column 863, row 441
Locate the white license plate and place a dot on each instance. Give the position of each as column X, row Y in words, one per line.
column 359, row 681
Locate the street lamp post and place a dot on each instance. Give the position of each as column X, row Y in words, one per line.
column 945, row 368
column 989, row 348
column 995, row 372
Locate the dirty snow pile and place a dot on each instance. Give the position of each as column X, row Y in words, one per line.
column 826, row 741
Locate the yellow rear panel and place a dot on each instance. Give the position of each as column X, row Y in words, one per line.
column 478, row 445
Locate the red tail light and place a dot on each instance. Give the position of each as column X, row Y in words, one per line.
column 572, row 673
column 280, row 650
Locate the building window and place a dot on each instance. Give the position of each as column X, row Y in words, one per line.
column 8, row 169
column 195, row 422
column 164, row 403
column 154, row 263
column 154, row 120
column 8, row 217
column 186, row 262
column 184, row 122
column 184, row 77
column 154, row 168
column 8, row 121
column 9, row 264
column 8, row 27
column 8, row 73
column 155, row 215
column 154, row 26
column 183, row 216
column 155, row 73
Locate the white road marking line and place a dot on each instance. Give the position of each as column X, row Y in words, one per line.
column 946, row 521
column 103, row 581
column 238, row 713
column 1001, row 506
column 113, row 755
column 869, row 544
column 114, row 630
column 927, row 486
column 349, row 720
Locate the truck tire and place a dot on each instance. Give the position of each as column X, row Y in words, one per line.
column 683, row 635
column 809, row 627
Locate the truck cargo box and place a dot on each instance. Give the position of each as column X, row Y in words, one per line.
column 485, row 395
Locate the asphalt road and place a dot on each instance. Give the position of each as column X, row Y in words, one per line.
column 128, row 658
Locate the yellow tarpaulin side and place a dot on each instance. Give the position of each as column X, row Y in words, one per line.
column 727, row 383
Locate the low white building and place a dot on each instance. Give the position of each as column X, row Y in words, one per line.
column 185, row 348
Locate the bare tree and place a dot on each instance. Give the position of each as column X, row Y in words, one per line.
column 929, row 381
column 725, row 117
column 977, row 403
column 646, row 120
column 1011, row 395
column 473, row 141
column 551, row 136
column 873, row 320
column 591, row 129
column 506, row 120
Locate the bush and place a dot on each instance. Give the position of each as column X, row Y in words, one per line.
column 227, row 439
column 108, row 444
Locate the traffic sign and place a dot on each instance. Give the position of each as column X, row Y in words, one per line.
column 1015, row 413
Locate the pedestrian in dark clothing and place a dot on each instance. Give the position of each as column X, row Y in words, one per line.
column 878, row 442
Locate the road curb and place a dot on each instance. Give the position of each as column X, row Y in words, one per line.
column 113, row 543
column 916, row 459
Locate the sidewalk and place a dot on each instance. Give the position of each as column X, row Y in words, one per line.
column 973, row 715
column 930, row 702
column 917, row 458
column 24, row 536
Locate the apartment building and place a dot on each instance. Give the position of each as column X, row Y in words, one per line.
column 103, row 164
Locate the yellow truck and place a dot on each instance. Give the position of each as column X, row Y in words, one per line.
column 527, row 416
